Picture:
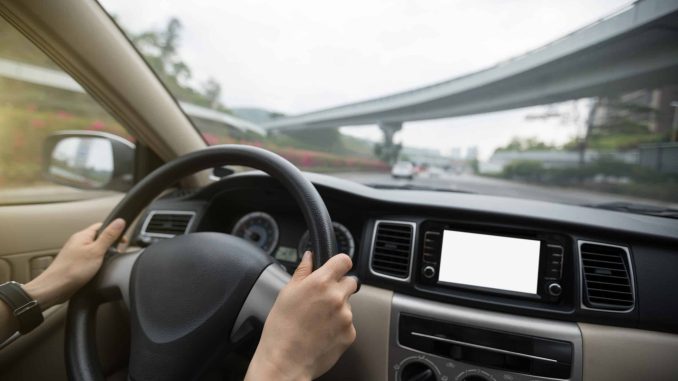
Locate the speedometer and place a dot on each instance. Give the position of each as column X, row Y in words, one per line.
column 260, row 229
column 345, row 243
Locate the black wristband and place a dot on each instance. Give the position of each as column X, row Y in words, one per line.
column 26, row 310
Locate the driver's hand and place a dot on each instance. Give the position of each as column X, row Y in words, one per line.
column 310, row 324
column 77, row 262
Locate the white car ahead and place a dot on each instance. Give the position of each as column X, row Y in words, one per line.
column 403, row 169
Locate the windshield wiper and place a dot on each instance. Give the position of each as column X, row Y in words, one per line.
column 629, row 207
column 414, row 187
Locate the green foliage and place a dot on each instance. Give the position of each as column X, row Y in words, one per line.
column 624, row 118
column 535, row 171
column 23, row 131
column 160, row 48
column 623, row 141
column 475, row 165
column 527, row 144
column 329, row 139
column 524, row 170
column 388, row 152
column 604, row 174
column 325, row 140
column 625, row 127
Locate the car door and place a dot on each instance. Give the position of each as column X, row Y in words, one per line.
column 37, row 100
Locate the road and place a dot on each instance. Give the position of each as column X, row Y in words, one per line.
column 463, row 182
column 498, row 187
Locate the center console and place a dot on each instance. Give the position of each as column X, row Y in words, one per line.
column 434, row 338
column 432, row 341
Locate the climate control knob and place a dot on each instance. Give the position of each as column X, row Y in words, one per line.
column 417, row 371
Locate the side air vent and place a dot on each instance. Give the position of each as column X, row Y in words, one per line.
column 392, row 249
column 607, row 277
column 167, row 224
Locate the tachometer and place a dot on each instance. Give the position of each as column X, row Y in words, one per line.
column 260, row 229
column 345, row 243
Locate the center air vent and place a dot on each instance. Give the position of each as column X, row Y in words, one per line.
column 392, row 249
column 607, row 277
column 167, row 224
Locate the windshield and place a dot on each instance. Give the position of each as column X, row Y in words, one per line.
column 526, row 99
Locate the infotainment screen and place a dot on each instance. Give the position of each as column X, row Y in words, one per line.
column 481, row 260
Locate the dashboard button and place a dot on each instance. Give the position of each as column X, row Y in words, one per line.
column 429, row 272
column 555, row 289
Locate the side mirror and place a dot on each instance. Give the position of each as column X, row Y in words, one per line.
column 89, row 160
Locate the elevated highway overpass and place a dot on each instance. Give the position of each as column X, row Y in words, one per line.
column 634, row 48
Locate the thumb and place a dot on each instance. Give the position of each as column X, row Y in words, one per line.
column 111, row 233
column 305, row 267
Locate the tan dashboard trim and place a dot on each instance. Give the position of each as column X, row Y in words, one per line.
column 620, row 354
column 36, row 228
column 367, row 358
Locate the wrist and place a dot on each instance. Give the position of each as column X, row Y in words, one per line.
column 43, row 291
column 272, row 366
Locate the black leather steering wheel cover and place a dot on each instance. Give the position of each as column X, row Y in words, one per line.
column 81, row 356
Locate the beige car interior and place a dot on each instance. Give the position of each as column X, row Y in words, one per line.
column 85, row 42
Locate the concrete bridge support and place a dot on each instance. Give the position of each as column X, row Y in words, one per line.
column 388, row 151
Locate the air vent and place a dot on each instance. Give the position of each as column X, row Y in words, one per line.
column 392, row 249
column 607, row 277
column 167, row 224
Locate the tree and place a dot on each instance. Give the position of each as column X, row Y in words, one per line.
column 212, row 91
column 614, row 123
column 388, row 152
column 527, row 144
column 160, row 48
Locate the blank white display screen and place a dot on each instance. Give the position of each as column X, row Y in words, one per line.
column 482, row 260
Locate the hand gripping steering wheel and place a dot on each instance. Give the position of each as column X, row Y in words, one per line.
column 188, row 295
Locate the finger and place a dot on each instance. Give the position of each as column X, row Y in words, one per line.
column 111, row 233
column 357, row 281
column 122, row 244
column 305, row 267
column 337, row 266
column 89, row 233
column 348, row 285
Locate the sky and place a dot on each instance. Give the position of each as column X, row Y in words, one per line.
column 296, row 56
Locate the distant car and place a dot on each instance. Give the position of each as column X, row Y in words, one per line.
column 403, row 169
column 433, row 172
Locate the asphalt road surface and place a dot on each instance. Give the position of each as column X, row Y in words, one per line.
column 498, row 187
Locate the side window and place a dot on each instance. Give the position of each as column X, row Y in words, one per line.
column 37, row 100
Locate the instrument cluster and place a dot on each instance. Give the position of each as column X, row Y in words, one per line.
column 262, row 230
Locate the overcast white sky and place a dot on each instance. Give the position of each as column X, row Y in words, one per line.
column 300, row 55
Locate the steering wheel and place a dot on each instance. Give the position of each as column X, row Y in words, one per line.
column 188, row 295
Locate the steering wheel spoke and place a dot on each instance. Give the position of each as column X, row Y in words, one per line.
column 114, row 276
column 261, row 297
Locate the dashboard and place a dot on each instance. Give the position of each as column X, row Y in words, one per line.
column 484, row 287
